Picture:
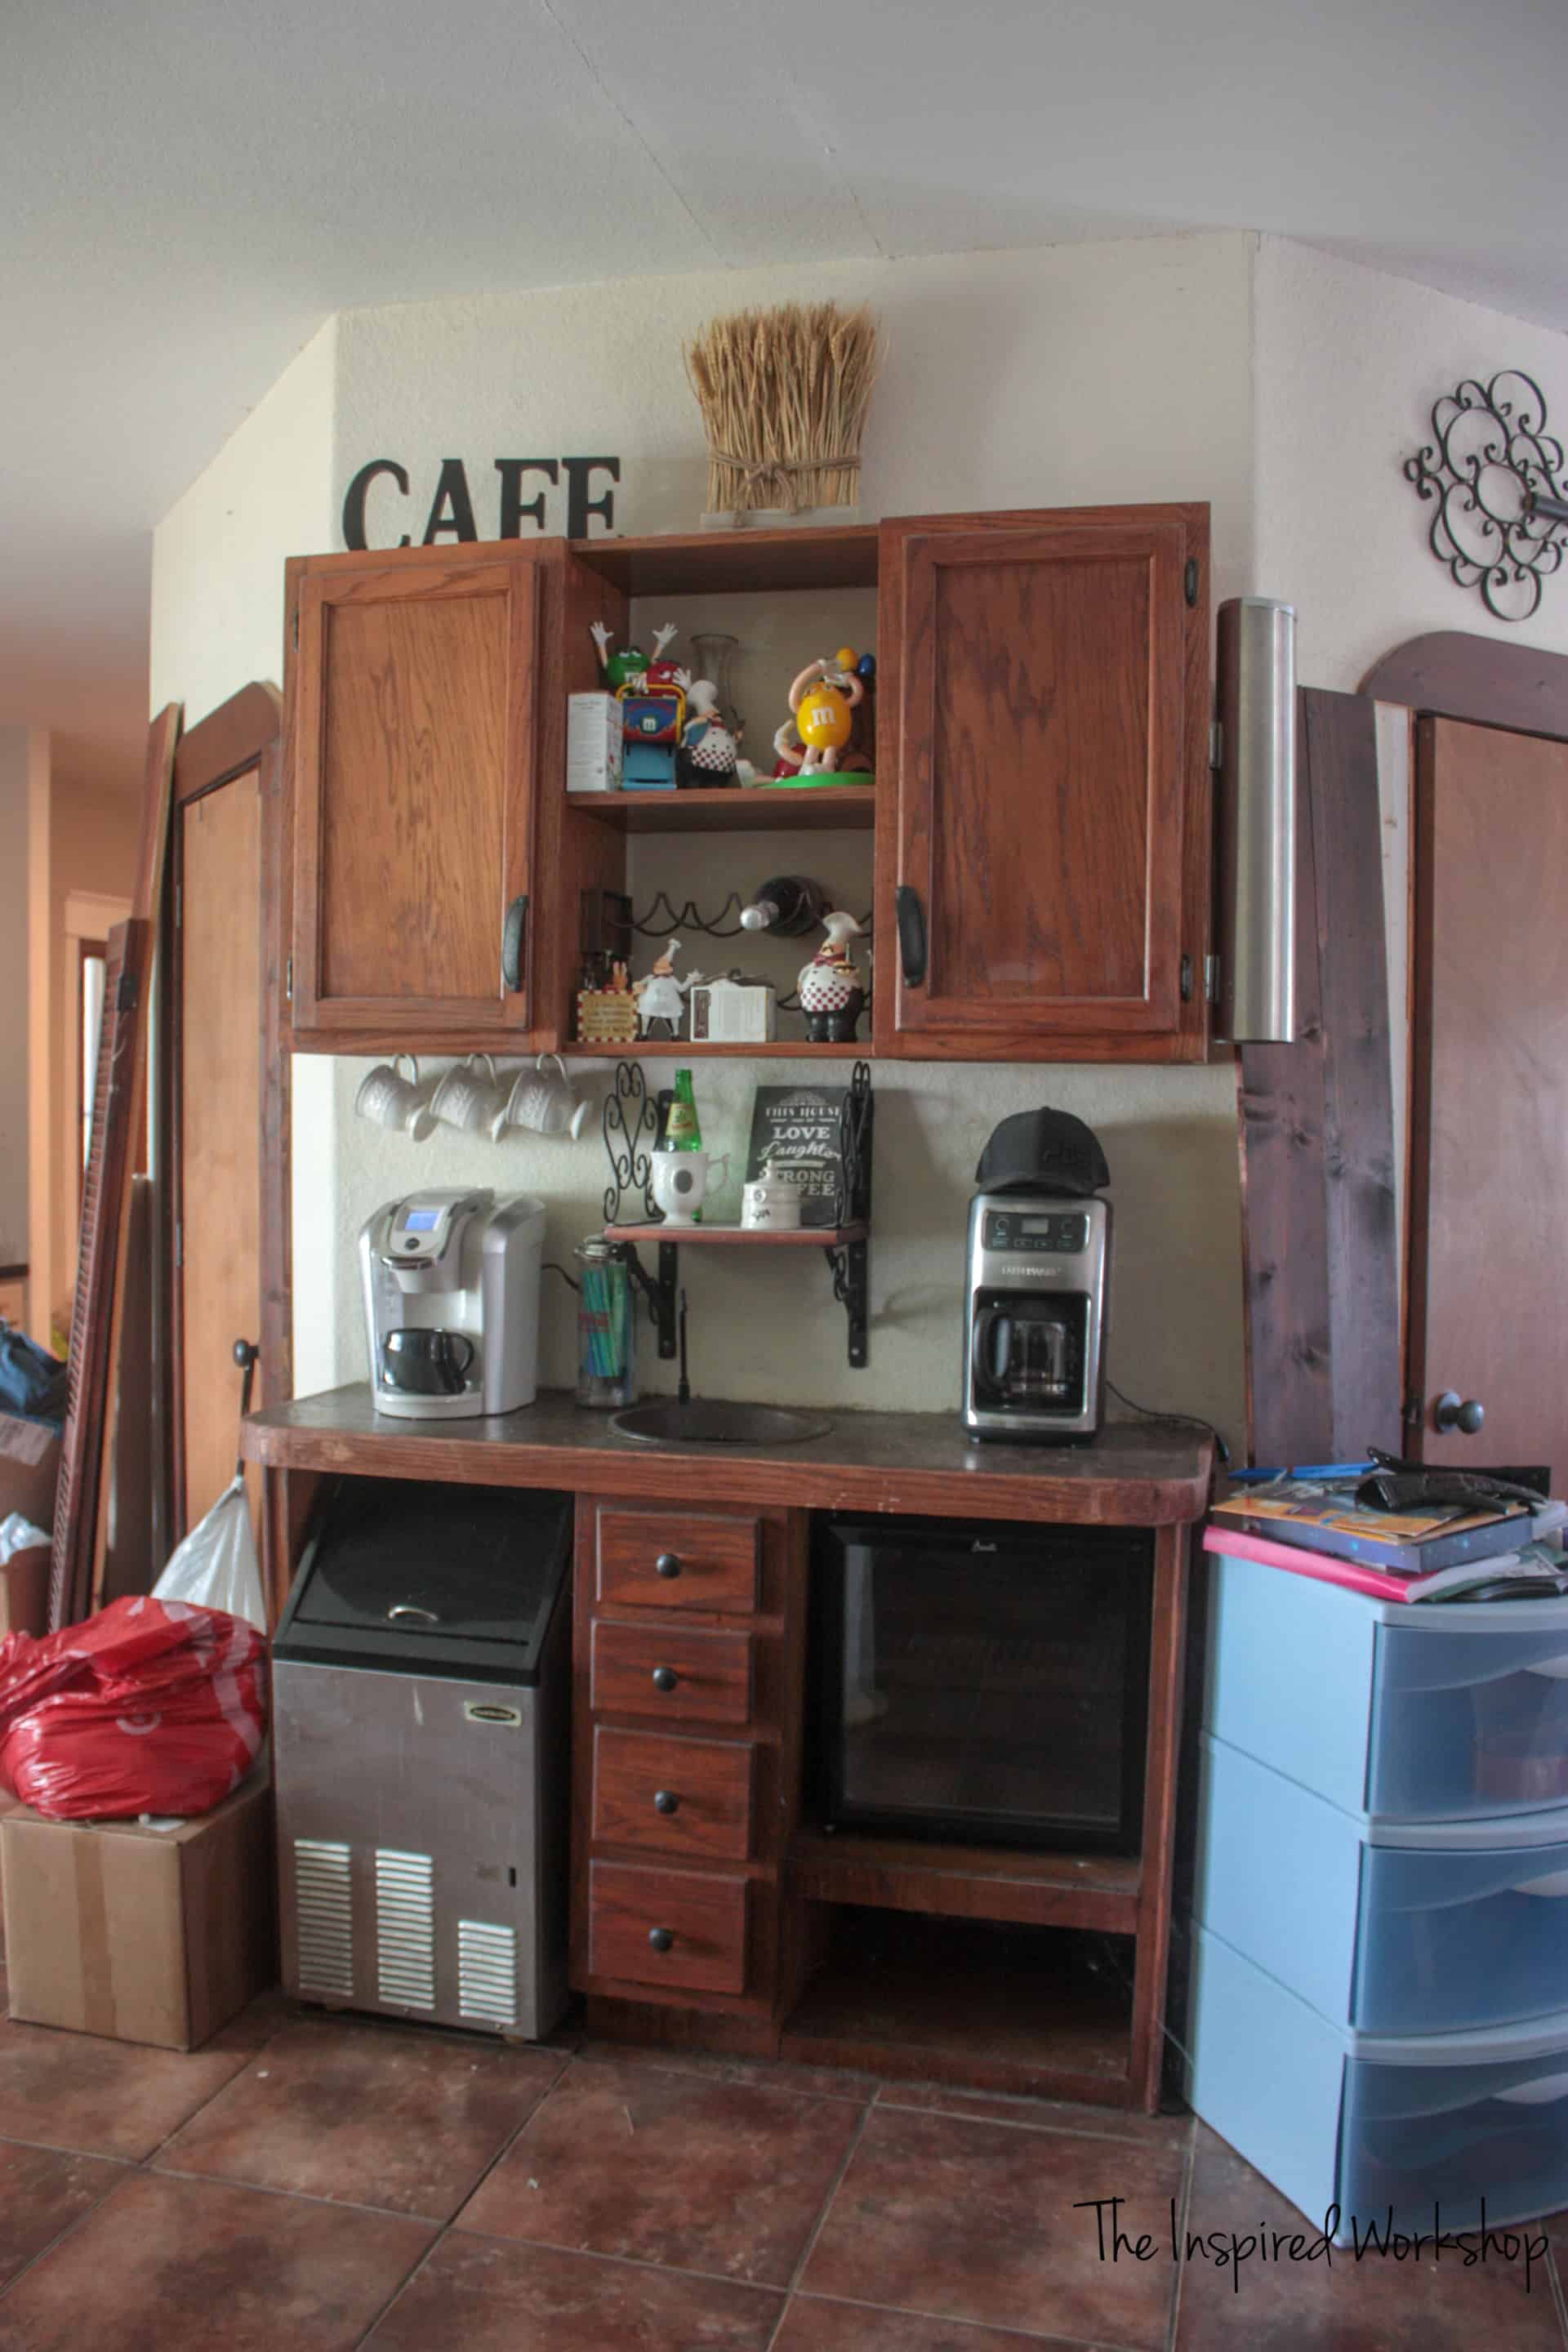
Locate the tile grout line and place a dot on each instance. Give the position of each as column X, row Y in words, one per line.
column 1025, row 2123
column 946, row 2319
column 1559, row 2301
column 817, row 2227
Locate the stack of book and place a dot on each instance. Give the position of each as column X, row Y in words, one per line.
column 1312, row 1524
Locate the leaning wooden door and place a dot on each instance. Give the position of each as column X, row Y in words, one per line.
column 1489, row 1201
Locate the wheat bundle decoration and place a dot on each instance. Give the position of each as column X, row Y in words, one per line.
column 784, row 395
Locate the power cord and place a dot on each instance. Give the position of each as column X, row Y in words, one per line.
column 1189, row 1419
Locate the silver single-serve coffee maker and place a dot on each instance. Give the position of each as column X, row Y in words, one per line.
column 1035, row 1289
column 451, row 1304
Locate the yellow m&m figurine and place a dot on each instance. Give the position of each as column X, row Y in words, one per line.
column 822, row 703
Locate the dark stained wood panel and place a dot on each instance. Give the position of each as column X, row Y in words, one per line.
column 1320, row 1264
column 708, row 1786
column 702, row 1914
column 671, row 1672
column 1455, row 675
column 1043, row 699
column 677, row 1559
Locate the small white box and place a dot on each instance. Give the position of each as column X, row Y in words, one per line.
column 593, row 743
column 734, row 1012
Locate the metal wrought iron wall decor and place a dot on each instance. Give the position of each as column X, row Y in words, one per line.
column 1492, row 472
column 630, row 1128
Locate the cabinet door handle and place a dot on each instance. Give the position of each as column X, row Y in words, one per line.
column 664, row 1678
column 513, row 932
column 661, row 1938
column 667, row 1564
column 911, row 924
column 666, row 1802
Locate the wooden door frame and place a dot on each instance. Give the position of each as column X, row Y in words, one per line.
column 244, row 733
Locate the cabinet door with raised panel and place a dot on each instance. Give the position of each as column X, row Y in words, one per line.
column 1043, row 862
column 414, row 685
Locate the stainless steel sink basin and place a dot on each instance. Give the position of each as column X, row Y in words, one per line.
column 704, row 1420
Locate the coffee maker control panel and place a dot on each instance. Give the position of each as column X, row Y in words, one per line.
column 420, row 1228
column 1033, row 1233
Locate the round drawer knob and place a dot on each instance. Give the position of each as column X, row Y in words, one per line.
column 666, row 1802
column 667, row 1564
column 664, row 1678
column 661, row 1938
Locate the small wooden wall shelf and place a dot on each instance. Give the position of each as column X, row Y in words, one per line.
column 824, row 808
column 667, row 1049
column 828, row 1237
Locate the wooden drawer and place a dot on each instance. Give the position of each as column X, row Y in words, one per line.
column 681, row 1796
column 683, row 1928
column 679, row 1559
column 701, row 1677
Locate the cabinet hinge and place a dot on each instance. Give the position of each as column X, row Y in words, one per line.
column 289, row 980
column 179, row 1245
column 1211, row 979
column 1217, row 746
column 129, row 993
column 179, row 905
column 297, row 621
column 1191, row 579
column 1186, row 980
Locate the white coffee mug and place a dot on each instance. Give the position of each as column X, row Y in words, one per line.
column 542, row 1099
column 680, row 1181
column 389, row 1100
column 469, row 1097
column 770, row 1203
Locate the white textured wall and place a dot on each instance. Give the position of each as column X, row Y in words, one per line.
column 1114, row 372
column 14, row 982
column 1347, row 364
column 218, row 624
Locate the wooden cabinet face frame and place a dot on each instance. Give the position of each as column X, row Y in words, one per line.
column 465, row 711
column 962, row 820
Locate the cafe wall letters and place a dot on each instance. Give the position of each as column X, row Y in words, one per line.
column 553, row 483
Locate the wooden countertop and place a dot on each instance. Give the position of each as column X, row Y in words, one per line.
column 1150, row 1473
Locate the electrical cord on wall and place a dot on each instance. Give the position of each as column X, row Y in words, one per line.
column 1189, row 1419
column 550, row 1266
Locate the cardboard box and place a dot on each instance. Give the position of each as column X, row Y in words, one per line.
column 593, row 744
column 29, row 1469
column 24, row 1592
column 136, row 1933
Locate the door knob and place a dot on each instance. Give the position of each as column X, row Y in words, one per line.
column 664, row 1678
column 666, row 1802
column 667, row 1564
column 1451, row 1412
column 661, row 1938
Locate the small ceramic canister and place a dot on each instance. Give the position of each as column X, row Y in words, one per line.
column 470, row 1094
column 542, row 1099
column 769, row 1202
column 389, row 1100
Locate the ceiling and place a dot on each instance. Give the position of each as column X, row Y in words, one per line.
column 191, row 186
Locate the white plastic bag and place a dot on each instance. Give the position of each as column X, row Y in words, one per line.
column 17, row 1534
column 216, row 1567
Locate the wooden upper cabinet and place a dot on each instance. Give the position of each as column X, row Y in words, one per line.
column 1043, row 855
column 416, row 745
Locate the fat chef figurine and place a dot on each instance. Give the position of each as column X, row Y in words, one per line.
column 831, row 995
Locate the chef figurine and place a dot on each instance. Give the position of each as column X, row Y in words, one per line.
column 708, row 751
column 661, row 996
column 831, row 995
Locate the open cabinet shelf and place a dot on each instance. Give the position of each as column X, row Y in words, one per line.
column 680, row 1049
column 827, row 1237
column 752, row 808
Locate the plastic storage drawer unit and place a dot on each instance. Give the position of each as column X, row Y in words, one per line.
column 1440, row 1927
column 1392, row 1713
column 1425, row 2125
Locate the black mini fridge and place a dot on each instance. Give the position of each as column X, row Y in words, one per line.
column 981, row 1685
column 421, row 1711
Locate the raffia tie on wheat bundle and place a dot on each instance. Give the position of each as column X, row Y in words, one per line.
column 784, row 395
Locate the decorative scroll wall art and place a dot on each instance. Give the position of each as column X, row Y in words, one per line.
column 1490, row 465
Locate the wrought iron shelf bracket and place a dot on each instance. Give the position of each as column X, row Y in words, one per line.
column 629, row 1115
column 1493, row 476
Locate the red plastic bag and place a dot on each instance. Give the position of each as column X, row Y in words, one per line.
column 151, row 1707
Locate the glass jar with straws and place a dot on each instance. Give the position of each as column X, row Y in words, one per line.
column 606, row 1327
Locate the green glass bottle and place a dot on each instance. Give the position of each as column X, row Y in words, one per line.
column 682, row 1131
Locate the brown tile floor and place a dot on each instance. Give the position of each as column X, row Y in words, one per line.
column 309, row 2185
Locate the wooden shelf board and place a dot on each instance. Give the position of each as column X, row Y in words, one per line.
column 828, row 808
column 667, row 1049
column 736, row 562
column 1066, row 1890
column 729, row 1236
column 927, row 2011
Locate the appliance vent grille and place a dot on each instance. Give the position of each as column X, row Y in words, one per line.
column 487, row 1972
column 405, row 1929
column 323, row 1904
